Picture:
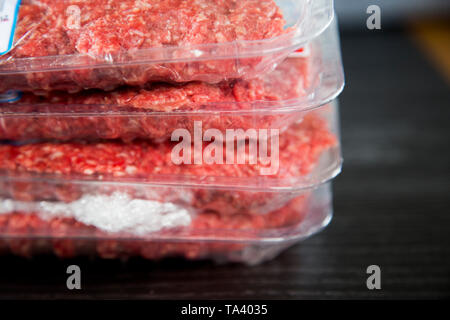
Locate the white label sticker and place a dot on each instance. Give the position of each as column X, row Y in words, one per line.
column 9, row 10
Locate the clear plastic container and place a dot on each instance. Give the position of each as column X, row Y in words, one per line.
column 119, row 199
column 234, row 170
column 301, row 83
column 30, row 228
column 72, row 45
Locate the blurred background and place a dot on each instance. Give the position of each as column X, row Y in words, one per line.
column 392, row 204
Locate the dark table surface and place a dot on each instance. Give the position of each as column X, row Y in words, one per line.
column 392, row 205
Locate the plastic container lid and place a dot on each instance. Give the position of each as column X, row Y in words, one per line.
column 72, row 45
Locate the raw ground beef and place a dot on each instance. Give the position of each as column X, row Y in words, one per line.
column 300, row 148
column 25, row 234
column 158, row 109
column 75, row 33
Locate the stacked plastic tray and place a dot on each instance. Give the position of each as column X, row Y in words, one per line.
column 200, row 129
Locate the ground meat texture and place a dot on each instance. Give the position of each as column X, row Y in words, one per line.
column 74, row 35
column 25, row 234
column 300, row 149
column 155, row 111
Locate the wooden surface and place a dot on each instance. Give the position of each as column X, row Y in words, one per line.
column 391, row 205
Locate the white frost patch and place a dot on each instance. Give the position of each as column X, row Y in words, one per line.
column 115, row 213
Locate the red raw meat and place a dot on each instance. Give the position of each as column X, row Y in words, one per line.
column 300, row 148
column 158, row 109
column 25, row 234
column 88, row 32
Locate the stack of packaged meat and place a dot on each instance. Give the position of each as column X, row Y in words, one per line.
column 203, row 129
